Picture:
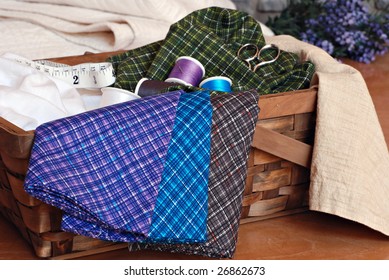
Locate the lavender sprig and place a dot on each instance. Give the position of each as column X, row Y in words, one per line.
column 343, row 28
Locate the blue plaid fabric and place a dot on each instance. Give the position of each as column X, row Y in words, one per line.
column 182, row 205
column 105, row 166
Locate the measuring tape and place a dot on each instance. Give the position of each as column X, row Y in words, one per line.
column 86, row 75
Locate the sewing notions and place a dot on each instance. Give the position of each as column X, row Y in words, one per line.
column 218, row 83
column 187, row 71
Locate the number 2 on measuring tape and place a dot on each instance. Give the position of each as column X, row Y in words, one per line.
column 75, row 80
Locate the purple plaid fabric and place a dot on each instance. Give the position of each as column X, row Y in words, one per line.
column 180, row 212
column 76, row 164
column 233, row 123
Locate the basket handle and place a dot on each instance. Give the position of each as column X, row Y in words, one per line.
column 282, row 146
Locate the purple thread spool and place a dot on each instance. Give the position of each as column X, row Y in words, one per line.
column 187, row 71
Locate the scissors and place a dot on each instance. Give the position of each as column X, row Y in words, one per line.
column 257, row 54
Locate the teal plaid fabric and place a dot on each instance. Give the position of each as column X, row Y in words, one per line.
column 213, row 36
column 181, row 211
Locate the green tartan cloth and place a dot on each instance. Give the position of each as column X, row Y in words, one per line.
column 213, row 36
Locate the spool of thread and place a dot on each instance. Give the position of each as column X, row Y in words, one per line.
column 146, row 87
column 218, row 83
column 187, row 71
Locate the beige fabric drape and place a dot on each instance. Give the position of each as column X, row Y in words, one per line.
column 350, row 165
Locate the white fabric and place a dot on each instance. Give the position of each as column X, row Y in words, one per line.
column 350, row 164
column 29, row 98
column 112, row 95
column 39, row 29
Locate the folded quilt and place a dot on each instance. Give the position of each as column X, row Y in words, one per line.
column 213, row 36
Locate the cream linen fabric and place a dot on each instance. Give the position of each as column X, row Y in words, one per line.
column 165, row 10
column 39, row 29
column 29, row 98
column 350, row 165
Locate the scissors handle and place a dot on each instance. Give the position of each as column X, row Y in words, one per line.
column 252, row 57
column 257, row 55
column 264, row 62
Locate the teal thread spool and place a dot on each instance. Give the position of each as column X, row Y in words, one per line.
column 217, row 83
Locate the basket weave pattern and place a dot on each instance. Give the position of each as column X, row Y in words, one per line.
column 275, row 186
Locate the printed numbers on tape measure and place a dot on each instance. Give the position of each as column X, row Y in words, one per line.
column 75, row 80
column 86, row 75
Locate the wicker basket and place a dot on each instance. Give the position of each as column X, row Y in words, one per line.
column 277, row 182
column 279, row 161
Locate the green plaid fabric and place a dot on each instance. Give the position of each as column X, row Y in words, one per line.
column 131, row 66
column 213, row 36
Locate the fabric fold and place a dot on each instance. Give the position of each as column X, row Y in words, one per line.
column 350, row 156
column 234, row 118
column 105, row 166
column 180, row 210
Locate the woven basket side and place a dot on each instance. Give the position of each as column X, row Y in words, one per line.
column 275, row 186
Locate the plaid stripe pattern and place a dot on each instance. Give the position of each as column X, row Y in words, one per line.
column 233, row 123
column 105, row 166
column 213, row 36
column 181, row 210
column 105, row 179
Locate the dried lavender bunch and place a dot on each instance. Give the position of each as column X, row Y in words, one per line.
column 343, row 28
